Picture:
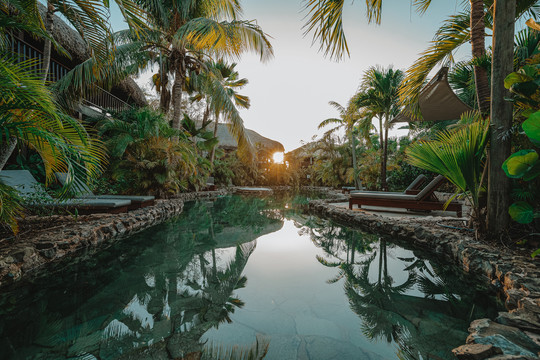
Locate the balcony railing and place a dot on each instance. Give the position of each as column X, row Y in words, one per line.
column 97, row 97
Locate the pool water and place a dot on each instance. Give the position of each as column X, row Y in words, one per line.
column 239, row 275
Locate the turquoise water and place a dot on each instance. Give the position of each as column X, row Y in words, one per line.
column 234, row 271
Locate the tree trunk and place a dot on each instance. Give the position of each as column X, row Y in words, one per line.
column 384, row 185
column 177, row 99
column 357, row 182
column 478, row 50
column 501, row 117
column 6, row 150
column 206, row 116
column 47, row 44
column 381, row 144
column 213, row 152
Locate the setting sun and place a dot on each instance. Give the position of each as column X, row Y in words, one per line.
column 278, row 158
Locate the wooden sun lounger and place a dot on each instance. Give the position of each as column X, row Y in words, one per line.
column 29, row 188
column 412, row 189
column 424, row 200
column 84, row 192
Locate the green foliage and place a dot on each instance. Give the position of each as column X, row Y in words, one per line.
column 146, row 160
column 520, row 163
column 10, row 208
column 525, row 164
column 457, row 155
column 522, row 212
column 31, row 162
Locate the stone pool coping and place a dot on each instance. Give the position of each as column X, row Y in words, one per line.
column 515, row 334
column 21, row 257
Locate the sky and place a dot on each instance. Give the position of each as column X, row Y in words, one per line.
column 290, row 93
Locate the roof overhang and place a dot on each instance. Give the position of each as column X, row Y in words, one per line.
column 437, row 102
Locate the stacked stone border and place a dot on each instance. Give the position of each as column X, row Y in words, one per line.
column 514, row 334
column 20, row 259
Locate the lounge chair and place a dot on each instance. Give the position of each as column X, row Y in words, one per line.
column 84, row 192
column 412, row 189
column 29, row 188
column 424, row 200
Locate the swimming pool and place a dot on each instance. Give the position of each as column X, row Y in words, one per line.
column 237, row 269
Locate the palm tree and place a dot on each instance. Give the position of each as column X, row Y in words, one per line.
column 348, row 118
column 459, row 156
column 90, row 19
column 325, row 20
column 218, row 82
column 184, row 33
column 379, row 96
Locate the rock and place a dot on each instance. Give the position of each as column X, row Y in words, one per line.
column 476, row 351
column 513, row 296
column 522, row 319
column 510, row 340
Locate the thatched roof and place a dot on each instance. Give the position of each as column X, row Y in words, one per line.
column 131, row 92
column 227, row 141
column 73, row 43
column 67, row 37
column 437, row 102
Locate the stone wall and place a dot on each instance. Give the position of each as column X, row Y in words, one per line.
column 515, row 333
column 21, row 256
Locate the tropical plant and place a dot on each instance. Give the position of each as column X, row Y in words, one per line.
column 28, row 113
column 525, row 164
column 378, row 97
column 144, row 157
column 10, row 207
column 183, row 33
column 218, row 83
column 348, row 118
column 458, row 155
column 90, row 19
column 156, row 166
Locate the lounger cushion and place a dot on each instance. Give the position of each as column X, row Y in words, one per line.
column 382, row 195
column 85, row 192
column 420, row 179
column 28, row 187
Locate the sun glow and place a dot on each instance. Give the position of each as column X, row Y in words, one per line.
column 278, row 158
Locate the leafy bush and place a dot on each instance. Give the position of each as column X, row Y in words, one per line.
column 524, row 165
column 10, row 207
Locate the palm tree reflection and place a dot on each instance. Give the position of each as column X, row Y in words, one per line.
column 425, row 314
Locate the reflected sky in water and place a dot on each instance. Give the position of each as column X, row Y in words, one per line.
column 229, row 271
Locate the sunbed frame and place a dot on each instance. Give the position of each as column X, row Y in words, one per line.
column 424, row 200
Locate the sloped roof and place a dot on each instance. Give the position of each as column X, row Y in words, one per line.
column 226, row 140
column 74, row 44
column 437, row 102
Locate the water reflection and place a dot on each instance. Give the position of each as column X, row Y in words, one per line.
column 180, row 291
column 152, row 295
column 422, row 307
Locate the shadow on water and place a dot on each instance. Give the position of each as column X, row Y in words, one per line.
column 155, row 294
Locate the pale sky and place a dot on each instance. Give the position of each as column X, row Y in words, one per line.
column 290, row 94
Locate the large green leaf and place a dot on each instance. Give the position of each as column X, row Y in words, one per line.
column 531, row 126
column 519, row 163
column 521, row 212
column 516, row 78
column 533, row 172
column 527, row 88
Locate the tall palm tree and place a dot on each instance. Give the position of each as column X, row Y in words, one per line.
column 225, row 100
column 348, row 118
column 184, row 33
column 379, row 95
